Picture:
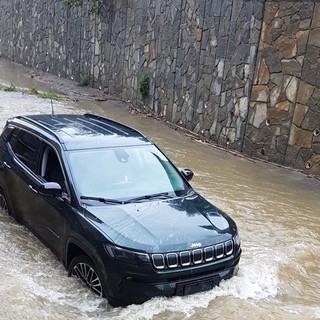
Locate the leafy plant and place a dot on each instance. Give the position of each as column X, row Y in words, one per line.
column 144, row 86
column 10, row 88
column 73, row 3
column 95, row 5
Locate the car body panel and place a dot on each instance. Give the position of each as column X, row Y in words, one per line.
column 183, row 224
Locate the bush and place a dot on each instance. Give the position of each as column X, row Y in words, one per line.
column 73, row 3
column 144, row 86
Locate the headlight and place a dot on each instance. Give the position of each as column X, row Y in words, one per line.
column 237, row 240
column 127, row 255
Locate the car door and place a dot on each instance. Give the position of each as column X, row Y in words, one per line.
column 53, row 215
column 19, row 163
column 28, row 162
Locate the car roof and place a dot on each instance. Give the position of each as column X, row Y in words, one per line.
column 85, row 131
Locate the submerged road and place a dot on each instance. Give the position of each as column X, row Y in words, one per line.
column 276, row 209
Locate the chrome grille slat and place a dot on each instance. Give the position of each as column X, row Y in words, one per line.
column 229, row 247
column 172, row 260
column 197, row 256
column 208, row 254
column 219, row 250
column 187, row 258
column 158, row 261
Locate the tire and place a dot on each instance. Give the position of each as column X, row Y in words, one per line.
column 85, row 270
column 4, row 207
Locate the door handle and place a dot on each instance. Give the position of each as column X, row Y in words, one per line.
column 6, row 165
column 33, row 189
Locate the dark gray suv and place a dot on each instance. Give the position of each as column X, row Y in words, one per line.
column 118, row 214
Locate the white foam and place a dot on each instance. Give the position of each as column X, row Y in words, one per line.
column 317, row 313
column 255, row 281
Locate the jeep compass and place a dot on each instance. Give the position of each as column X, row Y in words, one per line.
column 113, row 208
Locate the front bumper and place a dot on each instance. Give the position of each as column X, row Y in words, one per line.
column 132, row 285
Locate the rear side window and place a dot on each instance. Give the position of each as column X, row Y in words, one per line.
column 25, row 146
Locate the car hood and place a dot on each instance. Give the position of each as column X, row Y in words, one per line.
column 163, row 226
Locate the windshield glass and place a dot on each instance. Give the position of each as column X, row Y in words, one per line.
column 124, row 173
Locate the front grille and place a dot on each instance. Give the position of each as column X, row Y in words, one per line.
column 192, row 257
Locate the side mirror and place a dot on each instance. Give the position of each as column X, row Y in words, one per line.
column 187, row 173
column 51, row 189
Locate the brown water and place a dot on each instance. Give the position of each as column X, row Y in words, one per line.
column 277, row 212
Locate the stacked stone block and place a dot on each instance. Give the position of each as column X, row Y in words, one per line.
column 241, row 73
column 283, row 120
column 199, row 55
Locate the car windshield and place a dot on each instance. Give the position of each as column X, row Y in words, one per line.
column 125, row 173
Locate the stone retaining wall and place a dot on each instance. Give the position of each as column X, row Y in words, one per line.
column 242, row 73
column 284, row 114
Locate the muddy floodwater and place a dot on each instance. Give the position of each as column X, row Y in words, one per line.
column 277, row 211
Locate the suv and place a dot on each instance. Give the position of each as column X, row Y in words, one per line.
column 118, row 214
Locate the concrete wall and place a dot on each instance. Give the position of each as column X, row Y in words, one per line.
column 242, row 73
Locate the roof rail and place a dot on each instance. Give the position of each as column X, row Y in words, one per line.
column 26, row 118
column 94, row 116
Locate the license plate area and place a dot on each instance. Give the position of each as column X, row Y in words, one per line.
column 197, row 286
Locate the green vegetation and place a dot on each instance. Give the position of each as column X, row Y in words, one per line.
column 33, row 90
column 84, row 80
column 44, row 95
column 49, row 95
column 95, row 5
column 144, row 86
column 10, row 88
column 73, row 3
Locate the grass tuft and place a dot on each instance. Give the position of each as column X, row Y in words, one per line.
column 49, row 95
column 10, row 88
column 33, row 90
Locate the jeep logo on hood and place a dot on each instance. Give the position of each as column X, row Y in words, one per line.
column 196, row 245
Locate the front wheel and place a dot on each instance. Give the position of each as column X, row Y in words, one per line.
column 83, row 268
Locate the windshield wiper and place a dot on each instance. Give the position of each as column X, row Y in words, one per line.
column 104, row 200
column 161, row 195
